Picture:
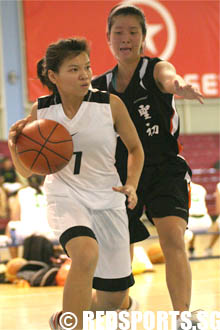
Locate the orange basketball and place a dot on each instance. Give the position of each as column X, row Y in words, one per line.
column 155, row 254
column 12, row 267
column 44, row 146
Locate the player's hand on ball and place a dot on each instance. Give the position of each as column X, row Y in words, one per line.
column 130, row 192
column 16, row 129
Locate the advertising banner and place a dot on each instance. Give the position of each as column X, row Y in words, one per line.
column 186, row 33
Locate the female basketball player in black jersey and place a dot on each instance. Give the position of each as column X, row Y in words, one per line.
column 147, row 87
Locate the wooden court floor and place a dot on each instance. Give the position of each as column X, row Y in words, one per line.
column 30, row 308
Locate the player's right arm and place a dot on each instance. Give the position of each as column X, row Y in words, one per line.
column 168, row 81
column 14, row 132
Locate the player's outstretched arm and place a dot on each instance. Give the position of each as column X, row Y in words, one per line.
column 169, row 81
column 127, row 131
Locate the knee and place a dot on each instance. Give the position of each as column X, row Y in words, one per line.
column 84, row 256
column 85, row 261
column 173, row 240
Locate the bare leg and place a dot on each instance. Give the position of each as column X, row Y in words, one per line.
column 192, row 242
column 107, row 301
column 13, row 251
column 191, row 247
column 178, row 273
column 214, row 238
column 77, row 294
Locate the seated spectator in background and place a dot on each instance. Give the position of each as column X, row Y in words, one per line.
column 199, row 219
column 8, row 175
column 28, row 214
column 7, row 170
column 1, row 162
column 216, row 225
column 4, row 209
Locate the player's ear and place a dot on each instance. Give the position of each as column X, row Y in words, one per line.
column 108, row 38
column 143, row 45
column 52, row 76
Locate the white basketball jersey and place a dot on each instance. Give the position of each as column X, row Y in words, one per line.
column 91, row 173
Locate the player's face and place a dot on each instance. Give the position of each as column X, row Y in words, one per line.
column 126, row 38
column 74, row 75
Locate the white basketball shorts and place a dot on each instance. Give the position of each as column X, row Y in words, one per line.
column 68, row 219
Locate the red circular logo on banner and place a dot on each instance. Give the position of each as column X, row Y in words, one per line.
column 161, row 29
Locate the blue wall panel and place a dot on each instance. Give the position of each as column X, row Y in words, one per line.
column 13, row 85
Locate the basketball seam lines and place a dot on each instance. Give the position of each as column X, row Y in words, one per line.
column 21, row 152
column 28, row 137
column 43, row 146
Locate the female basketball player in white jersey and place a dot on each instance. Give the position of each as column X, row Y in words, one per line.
column 86, row 202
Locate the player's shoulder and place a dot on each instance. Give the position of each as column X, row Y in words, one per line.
column 48, row 100
column 146, row 70
column 101, row 81
column 149, row 62
column 98, row 96
column 151, row 59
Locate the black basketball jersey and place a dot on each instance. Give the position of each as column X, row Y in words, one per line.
column 153, row 113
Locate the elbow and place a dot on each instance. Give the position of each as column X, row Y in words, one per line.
column 139, row 154
column 142, row 157
column 141, row 151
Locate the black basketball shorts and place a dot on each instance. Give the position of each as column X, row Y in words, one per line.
column 167, row 189
column 138, row 231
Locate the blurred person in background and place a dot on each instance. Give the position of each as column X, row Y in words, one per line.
column 10, row 180
column 28, row 214
column 199, row 219
column 4, row 208
column 215, row 228
column 7, row 170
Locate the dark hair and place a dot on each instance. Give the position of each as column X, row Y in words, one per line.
column 127, row 10
column 55, row 55
column 35, row 181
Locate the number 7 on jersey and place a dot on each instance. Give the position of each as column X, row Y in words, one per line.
column 77, row 162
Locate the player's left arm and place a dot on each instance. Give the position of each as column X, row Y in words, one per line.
column 168, row 81
column 14, row 132
column 127, row 132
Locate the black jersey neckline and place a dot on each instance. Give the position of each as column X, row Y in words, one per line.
column 114, row 72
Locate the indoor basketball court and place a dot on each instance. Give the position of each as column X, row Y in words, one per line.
column 30, row 308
